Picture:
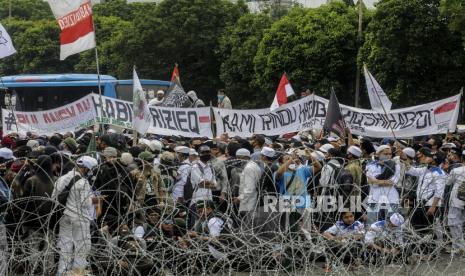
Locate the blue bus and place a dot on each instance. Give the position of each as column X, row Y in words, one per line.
column 42, row 92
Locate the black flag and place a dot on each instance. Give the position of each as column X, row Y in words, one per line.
column 334, row 121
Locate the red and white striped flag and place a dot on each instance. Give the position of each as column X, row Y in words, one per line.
column 76, row 24
column 284, row 91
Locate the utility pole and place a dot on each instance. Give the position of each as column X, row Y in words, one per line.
column 357, row 80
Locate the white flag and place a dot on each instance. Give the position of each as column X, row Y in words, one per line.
column 76, row 24
column 6, row 45
column 378, row 99
column 141, row 121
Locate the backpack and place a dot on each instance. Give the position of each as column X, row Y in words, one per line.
column 61, row 201
column 461, row 191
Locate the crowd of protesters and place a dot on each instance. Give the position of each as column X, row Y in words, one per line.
column 126, row 202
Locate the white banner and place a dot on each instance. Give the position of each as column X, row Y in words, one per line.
column 310, row 112
column 70, row 117
column 187, row 122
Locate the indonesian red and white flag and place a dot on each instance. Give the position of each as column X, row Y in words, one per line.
column 77, row 27
column 284, row 91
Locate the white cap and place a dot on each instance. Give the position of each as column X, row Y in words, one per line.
column 144, row 141
column 111, row 131
column 126, row 158
column 6, row 153
column 268, row 152
column 161, row 92
column 326, row 147
column 333, row 139
column 409, row 152
column 318, row 155
column 33, row 144
column 182, row 149
column 193, row 152
column 381, row 148
column 243, row 152
column 155, row 145
column 449, row 145
column 355, row 151
column 397, row 219
column 87, row 162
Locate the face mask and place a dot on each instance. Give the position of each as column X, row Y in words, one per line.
column 205, row 158
column 292, row 167
column 383, row 158
column 220, row 98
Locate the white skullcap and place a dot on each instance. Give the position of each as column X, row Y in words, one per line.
column 111, row 131
column 409, row 152
column 268, row 152
column 182, row 149
column 318, row 155
column 126, row 158
column 193, row 152
column 87, row 162
column 6, row 153
column 449, row 145
column 155, row 145
column 333, row 139
column 33, row 144
column 326, row 147
column 355, row 151
column 381, row 148
column 243, row 152
column 161, row 92
column 397, row 219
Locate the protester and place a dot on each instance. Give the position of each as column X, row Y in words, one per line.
column 158, row 101
column 74, row 234
column 195, row 101
column 223, row 100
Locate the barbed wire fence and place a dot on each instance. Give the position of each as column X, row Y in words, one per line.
column 261, row 242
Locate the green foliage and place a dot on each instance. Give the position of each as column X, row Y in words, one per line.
column 25, row 9
column 37, row 43
column 412, row 53
column 238, row 47
column 316, row 47
column 112, row 35
column 186, row 32
column 454, row 12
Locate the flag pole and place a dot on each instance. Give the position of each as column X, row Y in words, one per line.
column 382, row 105
column 100, row 126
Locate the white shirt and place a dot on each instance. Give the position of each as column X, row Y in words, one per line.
column 198, row 176
column 183, row 173
column 80, row 196
column 156, row 102
column 340, row 229
column 381, row 230
column 456, row 178
column 431, row 183
column 382, row 194
column 248, row 194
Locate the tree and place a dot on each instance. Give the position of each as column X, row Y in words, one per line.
column 38, row 46
column 316, row 47
column 185, row 32
column 238, row 47
column 26, row 9
column 112, row 42
column 454, row 11
column 412, row 53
